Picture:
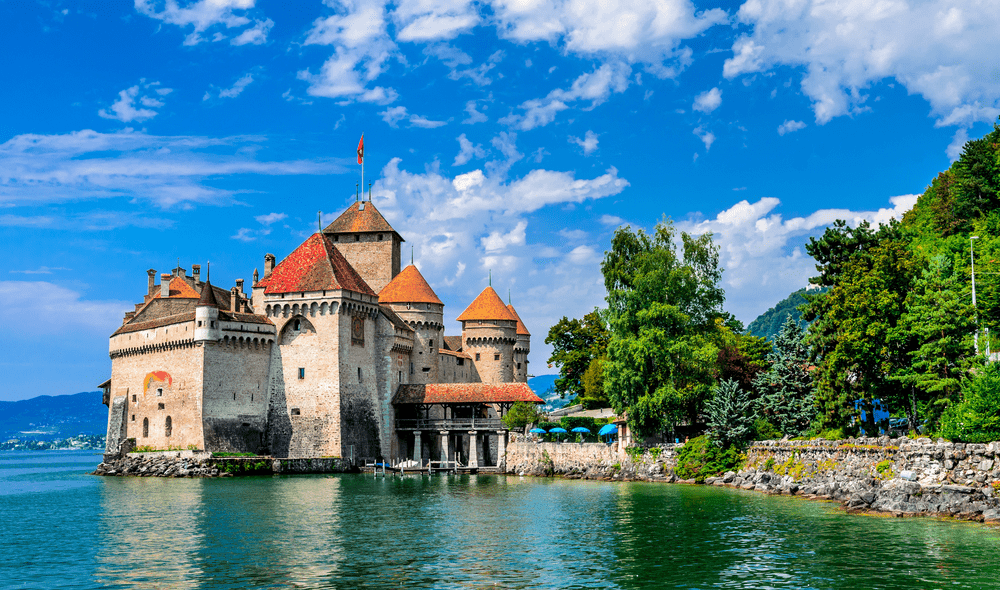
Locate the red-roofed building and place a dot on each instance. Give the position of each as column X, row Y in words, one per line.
column 337, row 353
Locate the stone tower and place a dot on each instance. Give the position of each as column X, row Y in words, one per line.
column 489, row 333
column 413, row 300
column 521, row 348
column 368, row 242
column 323, row 395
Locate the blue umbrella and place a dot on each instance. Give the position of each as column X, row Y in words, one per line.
column 557, row 430
column 536, row 430
column 609, row 429
column 580, row 430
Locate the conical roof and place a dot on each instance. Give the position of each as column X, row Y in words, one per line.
column 314, row 266
column 208, row 296
column 487, row 306
column 361, row 216
column 521, row 328
column 408, row 286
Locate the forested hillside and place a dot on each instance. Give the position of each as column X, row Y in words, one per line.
column 769, row 324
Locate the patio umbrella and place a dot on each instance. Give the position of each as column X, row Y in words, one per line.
column 609, row 429
column 580, row 430
column 536, row 430
column 557, row 430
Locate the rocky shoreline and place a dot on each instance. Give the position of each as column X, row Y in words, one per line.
column 900, row 477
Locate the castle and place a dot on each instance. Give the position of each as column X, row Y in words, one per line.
column 336, row 352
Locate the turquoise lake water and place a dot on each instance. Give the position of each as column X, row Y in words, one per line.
column 61, row 528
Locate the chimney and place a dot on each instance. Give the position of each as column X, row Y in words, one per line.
column 268, row 264
column 234, row 300
column 128, row 316
column 151, row 281
column 165, row 285
column 196, row 273
column 239, row 286
column 256, row 276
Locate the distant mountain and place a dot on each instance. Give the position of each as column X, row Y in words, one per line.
column 769, row 323
column 45, row 418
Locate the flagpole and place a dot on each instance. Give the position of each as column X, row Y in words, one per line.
column 362, row 162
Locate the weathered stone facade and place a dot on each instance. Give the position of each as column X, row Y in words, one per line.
column 307, row 367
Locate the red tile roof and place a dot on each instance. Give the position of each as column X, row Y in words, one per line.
column 455, row 353
column 408, row 286
column 521, row 329
column 180, row 289
column 356, row 220
column 464, row 393
column 488, row 306
column 314, row 266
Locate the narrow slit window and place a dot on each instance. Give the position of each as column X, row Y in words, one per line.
column 302, row 373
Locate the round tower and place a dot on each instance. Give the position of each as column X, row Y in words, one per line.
column 521, row 348
column 410, row 297
column 206, row 316
column 489, row 333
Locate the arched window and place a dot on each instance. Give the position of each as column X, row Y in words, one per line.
column 145, row 427
column 169, row 427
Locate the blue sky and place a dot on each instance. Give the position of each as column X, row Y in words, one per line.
column 506, row 136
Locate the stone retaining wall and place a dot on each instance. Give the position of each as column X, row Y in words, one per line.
column 180, row 464
column 894, row 476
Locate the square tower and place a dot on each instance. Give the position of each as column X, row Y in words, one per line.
column 368, row 242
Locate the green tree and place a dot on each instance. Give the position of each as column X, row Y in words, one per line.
column 731, row 415
column 662, row 311
column 937, row 328
column 520, row 415
column 976, row 418
column 853, row 324
column 741, row 356
column 593, row 385
column 575, row 344
column 786, row 389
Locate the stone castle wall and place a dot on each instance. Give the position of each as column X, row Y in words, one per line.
column 181, row 383
column 494, row 344
column 377, row 261
column 359, row 413
column 235, row 400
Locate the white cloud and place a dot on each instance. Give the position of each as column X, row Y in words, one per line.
column 588, row 143
column 764, row 256
column 467, row 151
column 707, row 137
column 954, row 149
column 789, row 126
column 255, row 35
column 270, row 218
column 244, row 235
column 205, row 14
column 474, row 115
column 594, row 87
column 583, row 255
column 943, row 50
column 499, row 241
column 235, row 90
column 54, row 309
column 125, row 108
column 43, row 270
column 573, row 235
column 165, row 170
column 362, row 47
column 393, row 115
column 611, row 220
column 708, row 101
column 635, row 31
column 423, row 20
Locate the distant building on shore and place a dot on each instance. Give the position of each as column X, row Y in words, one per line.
column 336, row 352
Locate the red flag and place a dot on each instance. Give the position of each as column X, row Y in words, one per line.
column 361, row 150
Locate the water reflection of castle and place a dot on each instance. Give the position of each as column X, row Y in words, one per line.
column 337, row 352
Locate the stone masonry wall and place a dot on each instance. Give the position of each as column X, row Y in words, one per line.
column 597, row 461
column 236, row 396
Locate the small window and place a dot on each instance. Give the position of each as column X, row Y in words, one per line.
column 426, row 369
column 431, row 345
column 199, row 323
column 336, row 238
column 302, row 373
column 460, row 361
column 160, row 406
column 518, row 366
column 133, row 398
column 400, row 376
column 296, row 412
column 357, row 237
column 145, row 427
column 298, row 325
column 477, row 356
column 496, row 357
column 212, row 324
column 411, row 368
column 168, row 427
column 133, row 418
column 379, row 236
column 359, row 375
column 159, row 391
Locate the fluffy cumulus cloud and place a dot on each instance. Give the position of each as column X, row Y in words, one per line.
column 165, row 170
column 763, row 254
column 424, row 20
column 358, row 33
column 789, row 126
column 137, row 103
column 467, row 151
column 466, row 226
column 708, row 101
column 588, row 143
column 943, row 50
column 204, row 15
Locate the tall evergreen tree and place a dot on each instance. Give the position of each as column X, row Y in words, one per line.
column 730, row 414
column 786, row 389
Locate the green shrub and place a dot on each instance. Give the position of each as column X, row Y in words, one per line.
column 884, row 466
column 764, row 430
column 769, row 464
column 831, row 435
column 700, row 459
column 230, row 454
column 635, row 454
column 976, row 418
column 570, row 423
column 520, row 415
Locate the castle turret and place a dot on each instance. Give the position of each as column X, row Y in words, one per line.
column 206, row 316
column 489, row 333
column 521, row 348
column 413, row 300
column 368, row 242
